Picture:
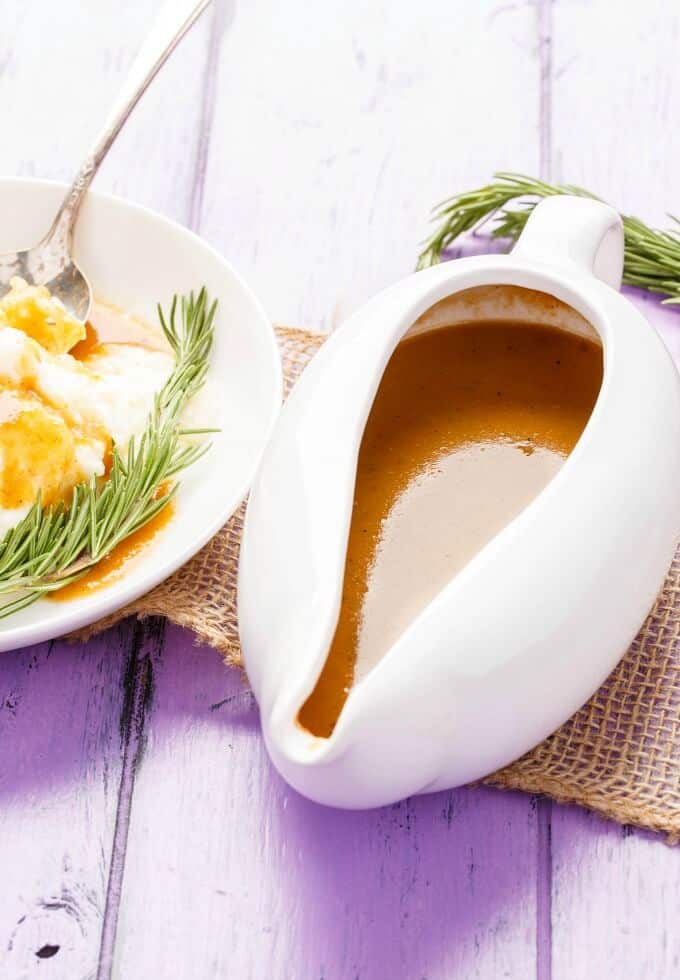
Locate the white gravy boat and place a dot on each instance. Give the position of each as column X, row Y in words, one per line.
column 528, row 630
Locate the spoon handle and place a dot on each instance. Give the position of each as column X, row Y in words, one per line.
column 175, row 19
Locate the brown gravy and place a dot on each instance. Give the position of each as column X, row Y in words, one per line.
column 469, row 424
column 36, row 438
column 110, row 325
column 115, row 565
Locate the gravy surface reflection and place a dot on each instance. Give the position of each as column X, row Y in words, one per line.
column 470, row 422
column 110, row 325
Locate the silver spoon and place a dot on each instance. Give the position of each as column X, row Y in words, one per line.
column 51, row 262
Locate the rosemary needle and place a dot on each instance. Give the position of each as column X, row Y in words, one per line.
column 651, row 257
column 54, row 546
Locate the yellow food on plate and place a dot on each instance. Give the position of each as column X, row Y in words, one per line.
column 38, row 451
column 60, row 416
column 38, row 314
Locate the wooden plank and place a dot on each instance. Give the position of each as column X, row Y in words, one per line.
column 251, row 881
column 335, row 129
column 147, row 641
column 614, row 889
column 60, row 740
column 614, row 102
column 338, row 126
column 60, row 68
column 61, row 754
column 615, row 900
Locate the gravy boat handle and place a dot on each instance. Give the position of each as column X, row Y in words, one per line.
column 575, row 234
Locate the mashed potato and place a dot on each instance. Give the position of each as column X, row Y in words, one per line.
column 59, row 417
column 127, row 377
column 39, row 315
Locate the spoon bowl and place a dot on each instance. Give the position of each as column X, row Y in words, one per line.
column 49, row 263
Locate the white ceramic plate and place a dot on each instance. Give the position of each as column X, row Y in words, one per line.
column 134, row 259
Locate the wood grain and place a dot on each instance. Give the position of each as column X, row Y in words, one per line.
column 338, row 126
column 253, row 881
column 615, row 102
column 60, row 740
column 614, row 98
column 614, row 900
column 65, row 725
column 60, row 68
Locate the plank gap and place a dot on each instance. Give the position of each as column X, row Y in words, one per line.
column 543, row 805
column 544, row 889
column 222, row 14
column 545, row 89
column 147, row 643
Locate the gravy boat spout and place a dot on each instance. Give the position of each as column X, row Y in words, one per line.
column 527, row 630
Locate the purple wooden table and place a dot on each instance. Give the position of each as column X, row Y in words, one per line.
column 143, row 832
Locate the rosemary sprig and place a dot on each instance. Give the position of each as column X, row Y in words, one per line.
column 52, row 547
column 651, row 257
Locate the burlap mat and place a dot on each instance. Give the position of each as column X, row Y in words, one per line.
column 619, row 755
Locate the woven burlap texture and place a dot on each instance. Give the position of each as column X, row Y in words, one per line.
column 619, row 755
